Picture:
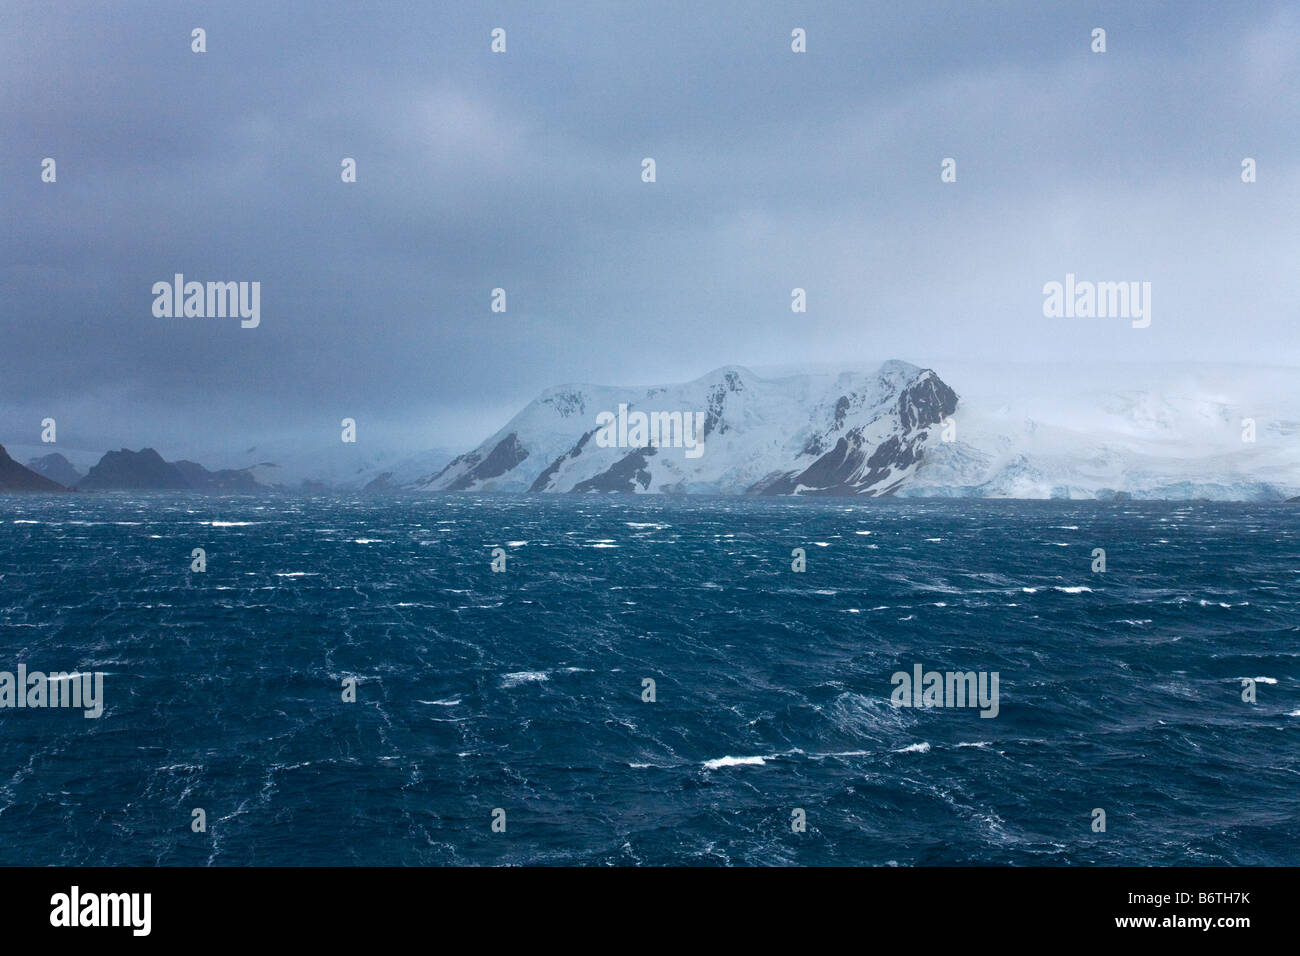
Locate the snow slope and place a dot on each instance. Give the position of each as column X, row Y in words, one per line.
column 856, row 432
column 1173, row 431
column 1089, row 431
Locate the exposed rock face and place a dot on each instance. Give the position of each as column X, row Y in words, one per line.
column 856, row 465
column 505, row 455
column 125, row 470
column 627, row 474
column 14, row 477
column 730, row 432
column 56, row 468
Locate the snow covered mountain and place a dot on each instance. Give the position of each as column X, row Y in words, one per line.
column 729, row 432
column 1174, row 431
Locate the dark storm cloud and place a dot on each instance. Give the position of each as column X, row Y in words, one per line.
column 523, row 171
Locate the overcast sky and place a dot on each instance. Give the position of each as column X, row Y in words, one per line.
column 522, row 170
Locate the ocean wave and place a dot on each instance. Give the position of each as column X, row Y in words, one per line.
column 523, row 677
column 720, row 762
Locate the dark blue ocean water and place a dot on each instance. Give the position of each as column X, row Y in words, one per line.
column 522, row 690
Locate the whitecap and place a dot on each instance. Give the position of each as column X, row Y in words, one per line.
column 523, row 677
column 735, row 762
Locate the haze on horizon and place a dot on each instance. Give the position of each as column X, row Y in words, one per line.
column 522, row 171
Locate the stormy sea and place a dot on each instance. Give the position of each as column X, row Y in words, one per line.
column 649, row 681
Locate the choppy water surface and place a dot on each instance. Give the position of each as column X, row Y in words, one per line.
column 523, row 690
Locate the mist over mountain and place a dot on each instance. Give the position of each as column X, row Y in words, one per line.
column 1018, row 430
column 286, row 465
column 225, row 479
column 56, row 468
column 1222, row 432
column 326, row 464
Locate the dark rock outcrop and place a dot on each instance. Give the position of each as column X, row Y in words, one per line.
column 501, row 459
column 126, row 470
column 543, row 482
column 629, row 474
column 14, row 477
column 854, row 466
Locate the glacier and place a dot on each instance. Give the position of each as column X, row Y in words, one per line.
column 1151, row 431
